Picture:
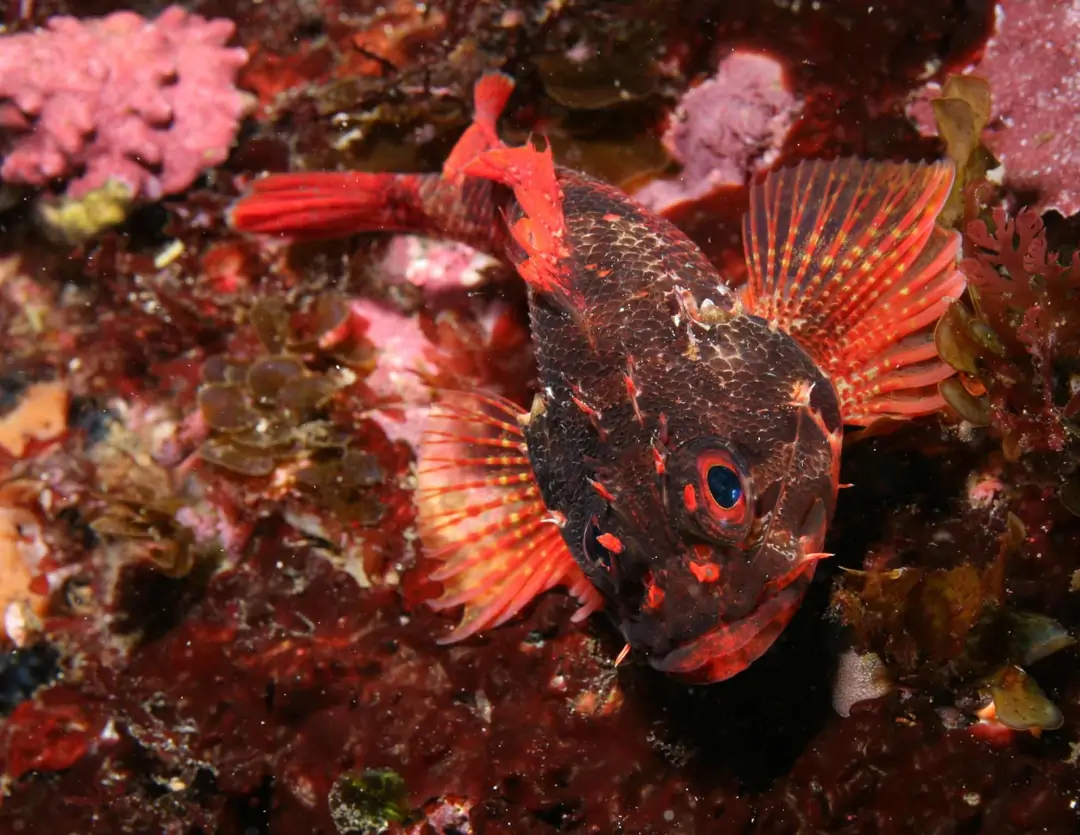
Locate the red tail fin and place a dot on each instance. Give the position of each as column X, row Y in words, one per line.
column 335, row 204
column 467, row 203
column 327, row 204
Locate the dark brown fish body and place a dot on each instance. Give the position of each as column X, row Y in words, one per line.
column 727, row 384
column 680, row 463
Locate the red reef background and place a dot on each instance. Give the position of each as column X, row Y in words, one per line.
column 211, row 588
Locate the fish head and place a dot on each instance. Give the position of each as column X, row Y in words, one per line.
column 716, row 510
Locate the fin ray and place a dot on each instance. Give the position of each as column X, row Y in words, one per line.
column 326, row 204
column 847, row 257
column 482, row 519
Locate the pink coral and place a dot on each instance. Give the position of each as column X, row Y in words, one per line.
column 151, row 104
column 437, row 267
column 396, row 379
column 414, row 354
column 726, row 129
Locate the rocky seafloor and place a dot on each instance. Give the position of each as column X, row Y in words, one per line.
column 206, row 631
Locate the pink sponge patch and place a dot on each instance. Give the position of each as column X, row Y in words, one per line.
column 1032, row 64
column 151, row 104
column 726, row 129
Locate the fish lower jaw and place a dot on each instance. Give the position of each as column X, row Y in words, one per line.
column 729, row 649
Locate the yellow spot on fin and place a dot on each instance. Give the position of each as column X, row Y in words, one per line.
column 848, row 258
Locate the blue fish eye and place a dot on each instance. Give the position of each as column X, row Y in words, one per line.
column 724, row 485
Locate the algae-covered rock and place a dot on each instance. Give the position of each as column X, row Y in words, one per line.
column 367, row 802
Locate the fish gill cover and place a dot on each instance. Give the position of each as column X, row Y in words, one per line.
column 213, row 598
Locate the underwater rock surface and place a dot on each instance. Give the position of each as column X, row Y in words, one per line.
column 213, row 613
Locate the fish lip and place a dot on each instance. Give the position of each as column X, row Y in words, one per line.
column 730, row 648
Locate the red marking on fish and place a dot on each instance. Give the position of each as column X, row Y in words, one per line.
column 705, row 572
column 717, row 466
column 658, row 457
column 601, row 490
column 632, row 390
column 611, row 542
column 654, row 594
column 594, row 415
column 690, row 501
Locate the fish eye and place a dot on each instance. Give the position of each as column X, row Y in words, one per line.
column 594, row 547
column 725, row 486
column 722, row 486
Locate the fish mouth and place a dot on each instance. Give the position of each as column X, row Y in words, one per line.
column 730, row 648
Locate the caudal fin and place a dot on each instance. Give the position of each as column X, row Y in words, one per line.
column 847, row 257
column 329, row 204
column 461, row 204
column 468, row 202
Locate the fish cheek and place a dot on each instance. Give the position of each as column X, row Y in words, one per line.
column 813, row 527
column 607, row 552
column 813, row 489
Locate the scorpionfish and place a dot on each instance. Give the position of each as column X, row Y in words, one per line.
column 680, row 462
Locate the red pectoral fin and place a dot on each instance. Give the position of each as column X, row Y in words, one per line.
column 481, row 516
column 847, row 257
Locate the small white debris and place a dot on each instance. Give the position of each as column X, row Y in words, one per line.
column 172, row 251
column 859, row 678
column 482, row 707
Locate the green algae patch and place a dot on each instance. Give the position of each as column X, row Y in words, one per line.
column 368, row 802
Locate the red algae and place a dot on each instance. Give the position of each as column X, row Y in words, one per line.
column 196, row 649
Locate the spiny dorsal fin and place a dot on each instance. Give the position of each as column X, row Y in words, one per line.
column 530, row 174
